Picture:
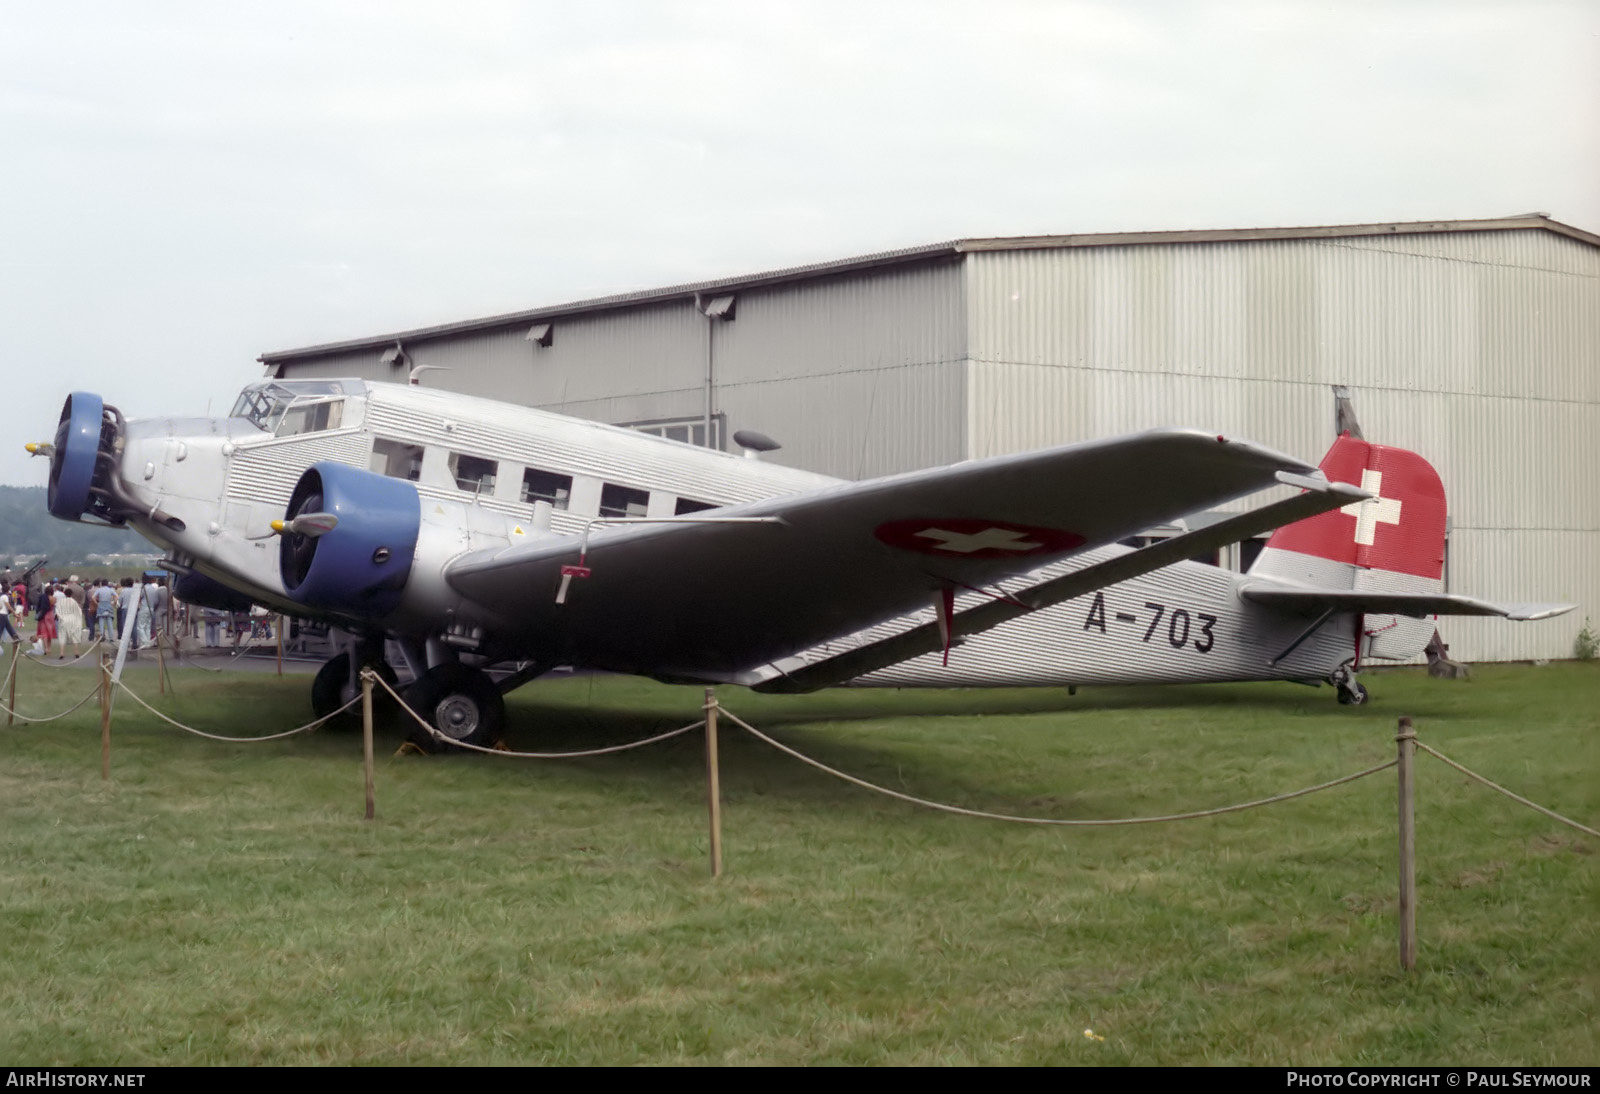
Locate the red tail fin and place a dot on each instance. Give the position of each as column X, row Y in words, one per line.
column 1400, row 530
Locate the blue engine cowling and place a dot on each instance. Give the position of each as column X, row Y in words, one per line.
column 72, row 462
column 360, row 567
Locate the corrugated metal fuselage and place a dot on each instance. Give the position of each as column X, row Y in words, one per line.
column 1183, row 624
column 227, row 481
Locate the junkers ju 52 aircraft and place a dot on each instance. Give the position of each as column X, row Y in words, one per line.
column 483, row 536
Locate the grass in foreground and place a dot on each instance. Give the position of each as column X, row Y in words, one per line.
column 219, row 903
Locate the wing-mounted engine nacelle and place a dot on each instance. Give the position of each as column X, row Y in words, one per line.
column 360, row 565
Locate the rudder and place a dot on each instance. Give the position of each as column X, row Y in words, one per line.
column 1393, row 542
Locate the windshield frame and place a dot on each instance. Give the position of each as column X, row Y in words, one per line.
column 266, row 405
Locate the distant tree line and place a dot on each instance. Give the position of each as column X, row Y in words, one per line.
column 27, row 530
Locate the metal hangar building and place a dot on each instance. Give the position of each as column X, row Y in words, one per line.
column 1475, row 343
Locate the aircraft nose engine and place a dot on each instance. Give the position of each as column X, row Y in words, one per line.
column 86, row 433
column 357, row 564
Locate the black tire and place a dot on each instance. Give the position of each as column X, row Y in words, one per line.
column 331, row 690
column 1352, row 696
column 459, row 702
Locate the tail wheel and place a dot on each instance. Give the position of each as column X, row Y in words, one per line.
column 461, row 703
column 332, row 689
column 1353, row 694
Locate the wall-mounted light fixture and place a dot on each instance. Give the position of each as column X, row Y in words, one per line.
column 719, row 309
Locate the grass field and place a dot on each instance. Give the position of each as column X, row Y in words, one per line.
column 227, row 904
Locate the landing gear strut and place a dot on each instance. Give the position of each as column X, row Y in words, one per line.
column 1351, row 693
column 461, row 703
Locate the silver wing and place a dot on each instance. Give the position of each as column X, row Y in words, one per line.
column 712, row 601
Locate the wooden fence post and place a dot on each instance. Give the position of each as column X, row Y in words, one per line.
column 713, row 783
column 1406, row 740
column 105, row 718
column 366, row 739
column 16, row 657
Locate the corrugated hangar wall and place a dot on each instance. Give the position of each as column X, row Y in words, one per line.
column 1481, row 350
column 855, row 375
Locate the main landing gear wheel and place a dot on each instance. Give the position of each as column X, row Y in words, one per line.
column 332, row 689
column 1352, row 694
column 461, row 703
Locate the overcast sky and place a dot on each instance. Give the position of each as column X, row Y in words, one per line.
column 189, row 185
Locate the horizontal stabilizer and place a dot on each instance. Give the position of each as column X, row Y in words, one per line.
column 1320, row 496
column 1307, row 601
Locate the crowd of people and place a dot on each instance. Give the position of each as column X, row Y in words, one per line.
column 69, row 615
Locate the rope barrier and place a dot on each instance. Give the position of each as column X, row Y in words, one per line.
column 785, row 749
column 1046, row 820
column 308, row 727
column 189, row 660
column 510, row 755
column 1436, row 754
column 53, row 717
column 65, row 664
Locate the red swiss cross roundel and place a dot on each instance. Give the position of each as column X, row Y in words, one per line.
column 967, row 537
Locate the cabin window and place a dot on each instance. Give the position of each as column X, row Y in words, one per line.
column 397, row 459
column 473, row 473
column 623, row 501
column 546, row 486
column 689, row 505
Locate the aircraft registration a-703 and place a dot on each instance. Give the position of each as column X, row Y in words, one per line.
column 481, row 536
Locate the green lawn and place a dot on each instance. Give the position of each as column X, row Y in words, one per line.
column 223, row 903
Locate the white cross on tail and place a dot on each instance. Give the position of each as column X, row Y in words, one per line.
column 1375, row 510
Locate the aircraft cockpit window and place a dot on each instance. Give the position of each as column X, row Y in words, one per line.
column 546, row 486
column 310, row 416
column 287, row 407
column 623, row 501
column 473, row 473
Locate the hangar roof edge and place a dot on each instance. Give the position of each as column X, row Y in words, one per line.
column 933, row 252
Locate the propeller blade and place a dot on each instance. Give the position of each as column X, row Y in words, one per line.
column 306, row 524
